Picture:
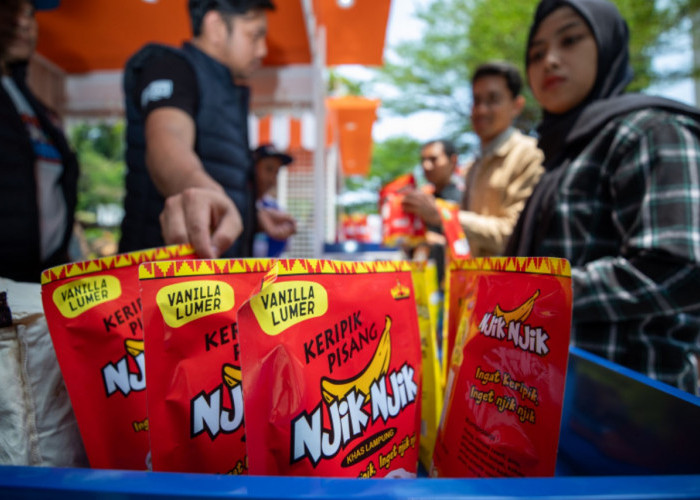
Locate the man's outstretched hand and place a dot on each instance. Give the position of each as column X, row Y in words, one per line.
column 206, row 218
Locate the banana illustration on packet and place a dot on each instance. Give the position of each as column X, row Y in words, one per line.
column 377, row 367
column 231, row 375
column 520, row 313
column 133, row 346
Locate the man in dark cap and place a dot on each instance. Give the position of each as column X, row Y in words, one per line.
column 268, row 162
column 39, row 171
column 187, row 133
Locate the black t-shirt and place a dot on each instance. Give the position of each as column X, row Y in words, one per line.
column 168, row 81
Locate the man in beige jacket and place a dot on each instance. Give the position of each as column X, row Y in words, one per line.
column 500, row 180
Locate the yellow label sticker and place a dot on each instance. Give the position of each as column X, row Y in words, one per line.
column 78, row 296
column 184, row 302
column 281, row 305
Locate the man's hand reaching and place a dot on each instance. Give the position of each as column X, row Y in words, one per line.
column 276, row 224
column 206, row 218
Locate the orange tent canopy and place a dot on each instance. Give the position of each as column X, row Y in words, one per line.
column 353, row 118
column 87, row 35
column 356, row 34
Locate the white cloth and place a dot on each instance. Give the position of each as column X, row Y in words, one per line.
column 37, row 424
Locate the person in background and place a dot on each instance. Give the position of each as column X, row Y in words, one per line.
column 621, row 195
column 187, row 134
column 38, row 169
column 268, row 162
column 508, row 166
column 9, row 12
column 439, row 161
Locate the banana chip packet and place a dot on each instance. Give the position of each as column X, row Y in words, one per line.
column 331, row 368
column 399, row 228
column 93, row 311
column 505, row 383
column 195, row 399
column 425, row 286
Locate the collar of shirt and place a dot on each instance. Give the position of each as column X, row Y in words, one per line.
column 491, row 147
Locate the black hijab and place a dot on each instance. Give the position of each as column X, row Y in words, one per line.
column 562, row 137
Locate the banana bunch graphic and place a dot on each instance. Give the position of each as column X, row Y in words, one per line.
column 231, row 375
column 377, row 367
column 520, row 313
column 133, row 346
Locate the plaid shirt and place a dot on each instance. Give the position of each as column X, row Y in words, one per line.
column 628, row 219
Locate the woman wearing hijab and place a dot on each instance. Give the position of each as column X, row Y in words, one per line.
column 621, row 195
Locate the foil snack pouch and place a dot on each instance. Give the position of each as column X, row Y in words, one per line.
column 195, row 398
column 425, row 287
column 505, row 384
column 93, row 311
column 399, row 227
column 457, row 245
column 331, row 365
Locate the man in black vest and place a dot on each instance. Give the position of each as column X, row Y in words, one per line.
column 187, row 131
column 38, row 170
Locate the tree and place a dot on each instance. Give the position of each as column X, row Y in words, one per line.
column 104, row 139
column 460, row 34
column 100, row 150
column 394, row 157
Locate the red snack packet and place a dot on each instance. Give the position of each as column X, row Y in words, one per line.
column 457, row 244
column 195, row 401
column 93, row 311
column 505, row 385
column 399, row 227
column 331, row 361
column 397, row 185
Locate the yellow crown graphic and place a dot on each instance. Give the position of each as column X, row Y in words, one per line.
column 400, row 291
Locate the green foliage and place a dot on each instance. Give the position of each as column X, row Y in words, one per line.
column 100, row 150
column 340, row 85
column 435, row 71
column 105, row 139
column 394, row 157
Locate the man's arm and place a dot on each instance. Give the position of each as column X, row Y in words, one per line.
column 197, row 209
column 491, row 232
column 276, row 224
column 170, row 157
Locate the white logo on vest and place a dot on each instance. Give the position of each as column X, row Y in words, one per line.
column 157, row 90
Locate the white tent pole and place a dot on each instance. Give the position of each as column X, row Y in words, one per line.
column 320, row 177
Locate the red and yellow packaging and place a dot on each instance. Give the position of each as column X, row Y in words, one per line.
column 457, row 245
column 505, row 385
column 354, row 227
column 425, row 287
column 399, row 227
column 331, row 364
column 195, row 399
column 93, row 311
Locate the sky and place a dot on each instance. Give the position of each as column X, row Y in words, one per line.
column 427, row 125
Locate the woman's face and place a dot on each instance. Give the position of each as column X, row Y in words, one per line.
column 562, row 61
column 24, row 43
